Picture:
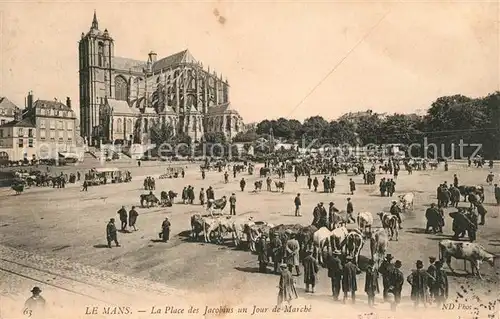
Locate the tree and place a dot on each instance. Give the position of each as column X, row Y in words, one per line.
column 246, row 137
column 401, row 129
column 161, row 133
column 264, row 127
column 315, row 128
column 368, row 127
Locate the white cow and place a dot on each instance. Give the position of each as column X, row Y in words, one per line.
column 365, row 221
column 323, row 237
column 379, row 242
column 353, row 244
column 473, row 252
column 390, row 223
column 407, row 200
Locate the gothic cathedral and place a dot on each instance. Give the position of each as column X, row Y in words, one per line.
column 121, row 99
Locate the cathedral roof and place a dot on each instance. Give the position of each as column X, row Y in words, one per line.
column 121, row 107
column 222, row 109
column 174, row 59
column 126, row 64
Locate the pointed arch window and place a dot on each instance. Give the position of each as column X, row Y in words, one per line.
column 100, row 54
column 121, row 88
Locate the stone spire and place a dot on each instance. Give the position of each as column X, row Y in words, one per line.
column 95, row 24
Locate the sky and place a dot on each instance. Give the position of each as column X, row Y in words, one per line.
column 292, row 59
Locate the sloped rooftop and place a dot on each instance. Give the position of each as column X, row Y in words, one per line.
column 174, row 59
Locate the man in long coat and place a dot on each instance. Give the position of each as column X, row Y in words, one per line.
column 386, row 268
column 349, row 281
column 277, row 248
column 311, row 269
column 123, row 217
column 316, row 215
column 323, row 216
column 432, row 216
column 262, row 251
column 397, row 280
column 350, row 211
column 287, row 290
column 419, row 279
column 440, row 286
column 165, row 230
column 132, row 218
column 292, row 254
column 481, row 211
column 352, row 186
column 332, row 210
column 111, row 233
column 497, row 194
column 335, row 271
column 371, row 283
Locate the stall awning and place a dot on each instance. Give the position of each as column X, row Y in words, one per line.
column 69, row 155
column 106, row 169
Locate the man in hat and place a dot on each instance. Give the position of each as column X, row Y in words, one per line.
column 323, row 216
column 111, row 233
column 332, row 211
column 311, row 269
column 123, row 217
column 352, row 186
column 292, row 254
column 382, row 187
column 386, row 269
column 397, row 280
column 262, row 252
column 286, row 286
column 335, row 270
column 316, row 215
column 232, row 204
column 165, row 230
column 440, row 286
column 432, row 216
column 419, row 279
column 396, row 211
column 349, row 282
column 243, row 183
column 371, row 283
column 132, row 218
column 350, row 211
column 277, row 249
column 297, row 203
column 497, row 194
column 35, row 305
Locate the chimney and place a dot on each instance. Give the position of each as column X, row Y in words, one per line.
column 29, row 100
column 68, row 102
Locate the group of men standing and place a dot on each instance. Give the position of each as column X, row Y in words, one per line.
column 387, row 187
column 427, row 286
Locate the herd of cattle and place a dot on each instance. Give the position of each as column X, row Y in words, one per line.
column 347, row 238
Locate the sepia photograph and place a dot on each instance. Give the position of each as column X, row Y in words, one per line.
column 239, row 159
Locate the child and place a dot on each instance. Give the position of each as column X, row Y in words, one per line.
column 371, row 283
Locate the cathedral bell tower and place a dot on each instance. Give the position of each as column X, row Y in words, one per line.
column 95, row 51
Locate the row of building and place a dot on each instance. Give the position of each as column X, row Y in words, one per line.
column 44, row 129
column 120, row 101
